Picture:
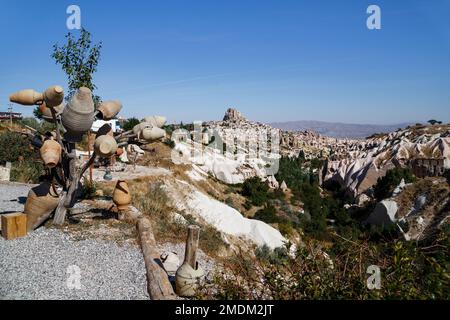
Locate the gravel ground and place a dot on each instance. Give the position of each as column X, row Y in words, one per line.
column 36, row 267
column 13, row 196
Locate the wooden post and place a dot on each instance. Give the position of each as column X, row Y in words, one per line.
column 14, row 225
column 89, row 154
column 190, row 255
column 158, row 284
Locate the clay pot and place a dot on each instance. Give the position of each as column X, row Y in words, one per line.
column 141, row 126
column 54, row 96
column 104, row 130
column 47, row 113
column 119, row 152
column 27, row 97
column 187, row 280
column 50, row 153
column 152, row 134
column 109, row 109
column 78, row 115
column 157, row 121
column 121, row 195
column 105, row 146
column 41, row 202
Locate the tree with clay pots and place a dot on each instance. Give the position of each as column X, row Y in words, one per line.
column 57, row 148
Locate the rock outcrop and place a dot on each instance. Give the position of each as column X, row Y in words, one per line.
column 232, row 115
column 384, row 213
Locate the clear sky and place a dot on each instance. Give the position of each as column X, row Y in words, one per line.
column 272, row 60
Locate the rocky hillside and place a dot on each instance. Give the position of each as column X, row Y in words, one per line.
column 365, row 161
column 338, row 130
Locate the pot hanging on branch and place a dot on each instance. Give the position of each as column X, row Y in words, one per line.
column 105, row 146
column 47, row 113
column 27, row 97
column 108, row 110
column 78, row 115
column 53, row 96
column 152, row 134
column 157, row 121
column 50, row 153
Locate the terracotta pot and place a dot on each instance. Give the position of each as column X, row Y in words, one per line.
column 27, row 97
column 121, row 195
column 141, row 126
column 152, row 134
column 78, row 115
column 187, row 280
column 119, row 152
column 157, row 121
column 41, row 202
column 105, row 146
column 109, row 109
column 47, row 113
column 54, row 96
column 104, row 130
column 51, row 153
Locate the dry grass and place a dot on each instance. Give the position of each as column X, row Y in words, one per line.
column 435, row 190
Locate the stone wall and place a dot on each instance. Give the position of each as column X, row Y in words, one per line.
column 427, row 167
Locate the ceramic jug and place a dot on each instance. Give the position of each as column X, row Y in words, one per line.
column 105, row 146
column 27, row 97
column 78, row 115
column 41, row 202
column 109, row 109
column 121, row 195
column 152, row 134
column 139, row 127
column 50, row 153
column 47, row 113
column 187, row 280
column 53, row 96
column 157, row 121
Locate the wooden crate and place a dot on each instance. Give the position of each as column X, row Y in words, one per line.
column 14, row 225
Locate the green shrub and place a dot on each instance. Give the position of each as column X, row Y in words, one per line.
column 170, row 143
column 408, row 271
column 130, row 123
column 89, row 189
column 16, row 146
column 28, row 171
column 255, row 190
column 268, row 214
column 386, row 185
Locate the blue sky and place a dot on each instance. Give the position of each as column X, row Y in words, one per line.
column 272, row 60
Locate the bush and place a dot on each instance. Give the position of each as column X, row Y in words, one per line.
column 130, row 123
column 17, row 147
column 89, row 189
column 255, row 190
column 268, row 214
column 28, row 171
column 408, row 271
column 170, row 143
column 386, row 185
column 31, row 122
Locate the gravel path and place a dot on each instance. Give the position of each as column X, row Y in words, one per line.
column 36, row 267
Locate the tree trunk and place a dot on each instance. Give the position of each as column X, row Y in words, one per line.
column 158, row 284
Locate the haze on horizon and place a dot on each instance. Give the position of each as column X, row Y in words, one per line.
column 273, row 61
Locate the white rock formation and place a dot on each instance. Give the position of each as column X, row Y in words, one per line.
column 384, row 213
column 225, row 219
column 230, row 221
